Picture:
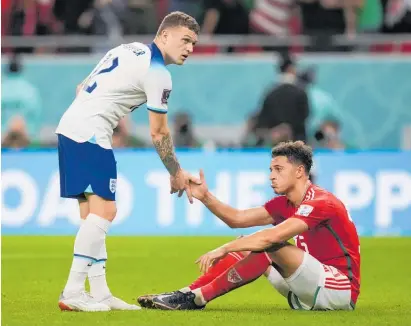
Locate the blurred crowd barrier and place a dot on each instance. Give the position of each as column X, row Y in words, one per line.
column 375, row 186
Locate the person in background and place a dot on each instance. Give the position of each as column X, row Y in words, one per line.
column 285, row 108
column 190, row 7
column 122, row 137
column 273, row 18
column 183, row 133
column 16, row 136
column 397, row 16
column 328, row 136
column 20, row 98
column 225, row 17
column 322, row 104
column 322, row 19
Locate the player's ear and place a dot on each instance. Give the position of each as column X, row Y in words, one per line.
column 300, row 171
column 164, row 35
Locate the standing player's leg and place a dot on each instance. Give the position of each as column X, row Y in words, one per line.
column 99, row 289
column 97, row 272
column 87, row 168
column 72, row 157
column 90, row 237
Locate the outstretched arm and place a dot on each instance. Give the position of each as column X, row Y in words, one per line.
column 234, row 218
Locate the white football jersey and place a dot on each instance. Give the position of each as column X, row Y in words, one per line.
column 127, row 77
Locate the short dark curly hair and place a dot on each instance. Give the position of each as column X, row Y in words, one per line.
column 178, row 18
column 296, row 152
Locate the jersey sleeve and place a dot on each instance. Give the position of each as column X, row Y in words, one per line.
column 313, row 212
column 273, row 207
column 157, row 86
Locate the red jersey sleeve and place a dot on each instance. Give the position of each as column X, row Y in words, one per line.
column 313, row 212
column 274, row 207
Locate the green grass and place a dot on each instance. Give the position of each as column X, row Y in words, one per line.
column 34, row 271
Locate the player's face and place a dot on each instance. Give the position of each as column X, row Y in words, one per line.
column 283, row 174
column 180, row 44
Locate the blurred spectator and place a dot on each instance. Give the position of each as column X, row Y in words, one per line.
column 370, row 17
column 20, row 98
column 28, row 17
column 272, row 18
column 190, row 7
column 322, row 105
column 322, row 19
column 183, row 134
column 75, row 15
column 105, row 17
column 328, row 136
column 16, row 136
column 285, row 109
column 225, row 17
column 397, row 16
column 122, row 137
column 140, row 17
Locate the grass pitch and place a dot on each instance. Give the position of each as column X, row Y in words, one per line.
column 34, row 271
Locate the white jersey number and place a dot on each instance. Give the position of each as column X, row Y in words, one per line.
column 114, row 65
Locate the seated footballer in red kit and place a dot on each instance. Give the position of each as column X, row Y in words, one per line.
column 320, row 272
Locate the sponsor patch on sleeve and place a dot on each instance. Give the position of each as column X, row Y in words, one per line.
column 165, row 96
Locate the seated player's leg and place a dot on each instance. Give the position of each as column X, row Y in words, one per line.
column 146, row 301
column 243, row 272
column 311, row 288
column 277, row 281
column 304, row 275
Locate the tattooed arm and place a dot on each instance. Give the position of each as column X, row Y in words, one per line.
column 165, row 149
column 163, row 142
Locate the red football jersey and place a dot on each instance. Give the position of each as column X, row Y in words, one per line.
column 331, row 238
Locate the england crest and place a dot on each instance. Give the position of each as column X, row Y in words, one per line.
column 113, row 185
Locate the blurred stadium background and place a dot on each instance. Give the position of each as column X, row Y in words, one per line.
column 352, row 58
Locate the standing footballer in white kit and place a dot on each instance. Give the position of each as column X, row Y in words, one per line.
column 127, row 77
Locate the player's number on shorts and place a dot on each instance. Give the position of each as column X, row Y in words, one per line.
column 114, row 65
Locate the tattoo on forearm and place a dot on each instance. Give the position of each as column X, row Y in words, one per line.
column 165, row 150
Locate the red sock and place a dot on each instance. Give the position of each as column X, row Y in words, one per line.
column 217, row 269
column 243, row 272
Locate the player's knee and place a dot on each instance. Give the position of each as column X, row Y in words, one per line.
column 110, row 210
column 106, row 209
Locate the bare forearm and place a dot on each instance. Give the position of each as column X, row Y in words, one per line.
column 254, row 242
column 210, row 21
column 223, row 211
column 350, row 13
column 165, row 149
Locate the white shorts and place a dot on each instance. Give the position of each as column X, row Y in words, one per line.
column 314, row 286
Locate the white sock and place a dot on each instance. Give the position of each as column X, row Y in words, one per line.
column 199, row 299
column 97, row 276
column 89, row 240
column 185, row 289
